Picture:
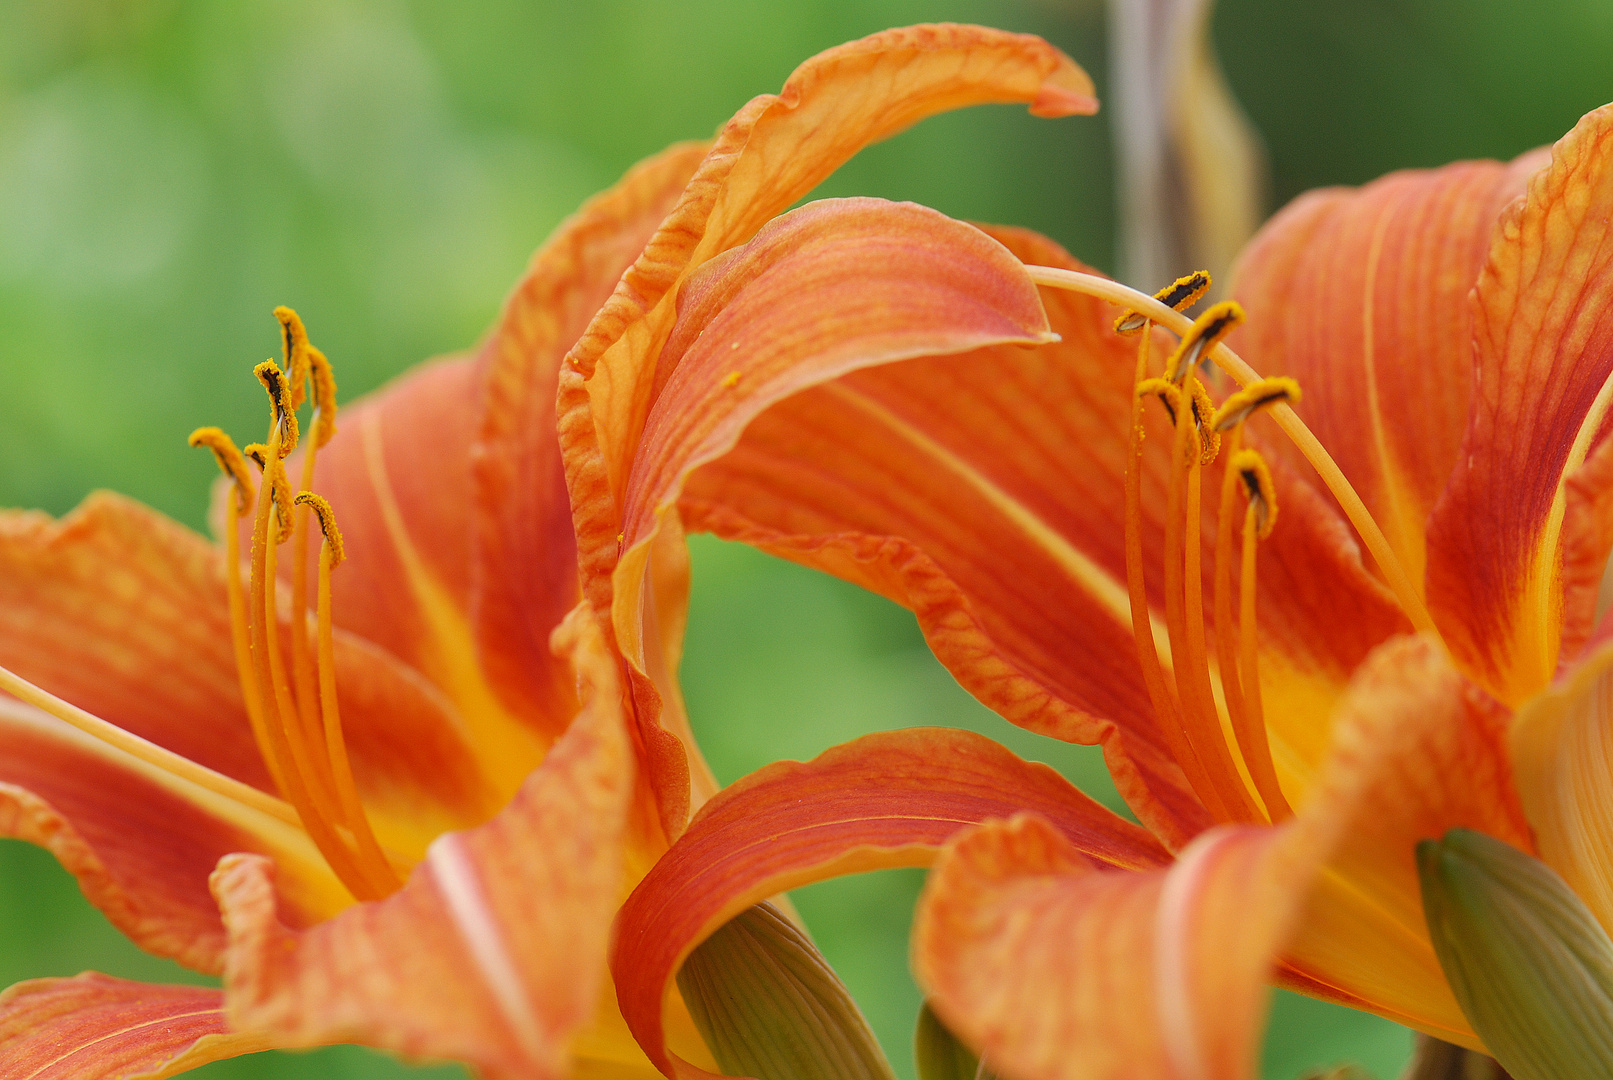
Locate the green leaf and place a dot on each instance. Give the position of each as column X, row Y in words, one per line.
column 1529, row 963
column 1434, row 1059
column 770, row 1006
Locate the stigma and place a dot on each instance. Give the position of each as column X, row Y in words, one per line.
column 287, row 677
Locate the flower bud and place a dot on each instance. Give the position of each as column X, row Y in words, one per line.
column 1529, row 963
column 770, row 1006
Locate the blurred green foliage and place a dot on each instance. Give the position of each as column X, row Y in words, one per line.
column 172, row 169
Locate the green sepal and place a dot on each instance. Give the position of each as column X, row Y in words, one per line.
column 940, row 1055
column 1528, row 962
column 770, row 1006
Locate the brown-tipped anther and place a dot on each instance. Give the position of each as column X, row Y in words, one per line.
column 1257, row 395
column 1203, row 412
column 1169, row 394
column 1179, row 295
column 230, row 463
column 258, row 453
column 1208, row 330
column 324, row 380
column 327, row 525
column 1251, row 467
column 279, row 389
column 294, row 340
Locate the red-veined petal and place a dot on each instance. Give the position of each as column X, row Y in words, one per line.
column 883, row 800
column 524, row 577
column 95, row 1027
column 773, row 152
column 1544, row 342
column 122, row 612
column 1056, row 970
column 492, row 952
column 1362, row 296
column 142, row 842
column 986, row 492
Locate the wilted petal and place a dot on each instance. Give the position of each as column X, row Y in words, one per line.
column 1362, row 295
column 95, row 1027
column 884, row 800
column 1506, row 590
column 490, row 954
column 1056, row 970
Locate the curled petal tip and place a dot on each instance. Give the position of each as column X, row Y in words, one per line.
column 1054, row 101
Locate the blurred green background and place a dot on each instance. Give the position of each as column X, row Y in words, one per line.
column 170, row 171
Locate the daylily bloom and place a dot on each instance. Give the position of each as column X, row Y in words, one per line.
column 414, row 819
column 1288, row 701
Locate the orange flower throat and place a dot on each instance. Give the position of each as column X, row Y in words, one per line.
column 1221, row 743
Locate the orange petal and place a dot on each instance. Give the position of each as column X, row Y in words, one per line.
column 1417, row 751
column 773, row 152
column 142, row 842
column 1560, row 743
column 883, row 800
column 123, row 612
column 525, row 567
column 1056, row 970
column 1497, row 561
column 986, row 490
column 492, row 952
column 95, row 1027
column 1362, row 295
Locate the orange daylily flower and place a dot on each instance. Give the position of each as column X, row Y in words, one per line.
column 870, row 389
column 415, row 819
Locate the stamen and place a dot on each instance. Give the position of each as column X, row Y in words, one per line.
column 1167, row 392
column 294, row 340
column 1235, row 647
column 1394, row 574
column 1200, row 722
column 230, row 462
column 1240, row 406
column 147, row 751
column 324, row 380
column 281, row 415
column 1179, row 295
column 1160, row 694
column 1203, row 411
column 1262, row 492
column 1208, row 329
column 370, row 855
column 283, row 750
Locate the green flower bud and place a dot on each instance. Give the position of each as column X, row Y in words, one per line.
column 1529, row 963
column 770, row 1006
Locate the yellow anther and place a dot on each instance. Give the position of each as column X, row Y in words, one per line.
column 230, row 463
column 1257, row 395
column 279, row 390
column 295, row 342
column 1169, row 394
column 257, row 452
column 1180, row 295
column 327, row 525
column 1207, row 330
column 1203, row 411
column 324, row 396
column 1249, row 465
